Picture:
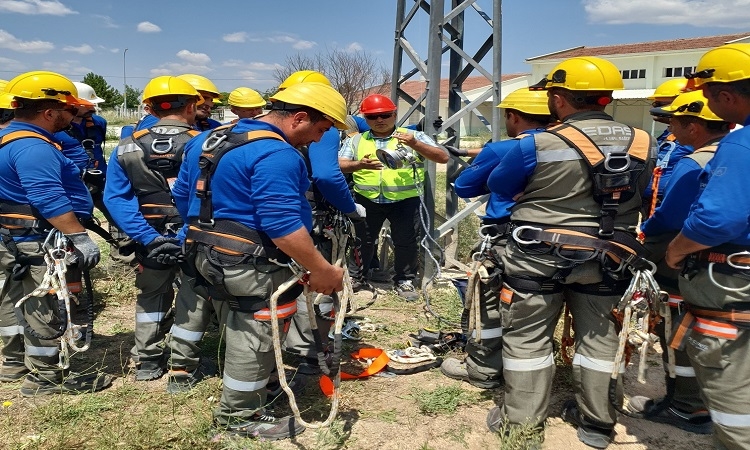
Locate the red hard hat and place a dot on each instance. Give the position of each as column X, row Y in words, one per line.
column 376, row 103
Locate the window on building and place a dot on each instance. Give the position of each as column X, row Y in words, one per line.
column 667, row 72
column 625, row 74
column 633, row 74
column 670, row 72
column 642, row 73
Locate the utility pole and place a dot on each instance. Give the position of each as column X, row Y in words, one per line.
column 124, row 85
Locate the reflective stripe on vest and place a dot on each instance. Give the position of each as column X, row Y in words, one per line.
column 393, row 184
column 283, row 311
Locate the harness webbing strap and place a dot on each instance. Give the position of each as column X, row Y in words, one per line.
column 710, row 322
column 21, row 134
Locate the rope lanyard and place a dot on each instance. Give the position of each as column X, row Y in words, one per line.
column 58, row 251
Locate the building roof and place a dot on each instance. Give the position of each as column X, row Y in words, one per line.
column 415, row 88
column 645, row 47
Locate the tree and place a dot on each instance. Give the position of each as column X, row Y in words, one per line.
column 134, row 96
column 110, row 95
column 353, row 74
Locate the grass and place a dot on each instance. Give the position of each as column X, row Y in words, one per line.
column 443, row 399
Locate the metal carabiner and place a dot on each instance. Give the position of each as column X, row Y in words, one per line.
column 213, row 141
column 735, row 255
column 613, row 156
column 517, row 235
column 716, row 283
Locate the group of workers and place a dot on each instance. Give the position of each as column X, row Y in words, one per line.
column 233, row 211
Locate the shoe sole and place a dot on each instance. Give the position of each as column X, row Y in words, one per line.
column 12, row 378
column 706, row 428
column 267, row 437
column 476, row 383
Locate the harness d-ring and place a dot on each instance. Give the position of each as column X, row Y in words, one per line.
column 713, row 280
column 213, row 141
column 517, row 235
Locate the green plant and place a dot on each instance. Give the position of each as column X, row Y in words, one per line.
column 442, row 400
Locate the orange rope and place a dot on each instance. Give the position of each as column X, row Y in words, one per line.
column 655, row 190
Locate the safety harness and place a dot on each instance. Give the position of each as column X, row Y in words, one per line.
column 93, row 176
column 162, row 154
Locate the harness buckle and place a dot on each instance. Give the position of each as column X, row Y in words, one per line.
column 517, row 235
column 614, row 157
column 213, row 141
column 88, row 144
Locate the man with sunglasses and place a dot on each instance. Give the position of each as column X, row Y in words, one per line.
column 387, row 193
column 695, row 125
column 712, row 251
column 670, row 150
column 39, row 189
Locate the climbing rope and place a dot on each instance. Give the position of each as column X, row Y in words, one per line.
column 642, row 306
column 58, row 252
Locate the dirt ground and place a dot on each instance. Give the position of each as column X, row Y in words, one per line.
column 380, row 412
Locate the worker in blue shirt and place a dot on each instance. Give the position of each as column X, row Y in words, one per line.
column 39, row 189
column 140, row 174
column 711, row 251
column 670, row 149
column 526, row 113
column 695, row 125
column 240, row 239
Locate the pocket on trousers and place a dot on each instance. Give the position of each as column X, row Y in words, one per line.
column 706, row 351
column 510, row 304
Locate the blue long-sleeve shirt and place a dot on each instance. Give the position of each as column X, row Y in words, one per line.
column 669, row 154
column 326, row 173
column 261, row 185
column 510, row 175
column 679, row 194
column 33, row 172
column 474, row 180
column 73, row 150
column 98, row 133
column 721, row 214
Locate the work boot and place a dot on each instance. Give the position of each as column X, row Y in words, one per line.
column 181, row 380
column 406, row 290
column 456, row 369
column 361, row 284
column 266, row 426
column 73, row 383
column 12, row 372
column 591, row 435
column 296, row 381
column 148, row 371
column 696, row 422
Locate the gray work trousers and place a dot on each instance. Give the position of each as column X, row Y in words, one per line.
column 192, row 315
column 153, row 317
column 722, row 365
column 19, row 347
column 249, row 355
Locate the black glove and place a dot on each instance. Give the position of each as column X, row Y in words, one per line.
column 165, row 250
column 456, row 151
column 359, row 212
column 438, row 123
column 86, row 250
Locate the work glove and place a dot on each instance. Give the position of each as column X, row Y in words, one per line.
column 86, row 251
column 458, row 152
column 165, row 250
column 438, row 123
column 359, row 212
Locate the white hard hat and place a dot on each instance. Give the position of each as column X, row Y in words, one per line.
column 86, row 92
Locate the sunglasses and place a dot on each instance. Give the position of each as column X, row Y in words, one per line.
column 54, row 92
column 378, row 116
column 73, row 110
column 694, row 107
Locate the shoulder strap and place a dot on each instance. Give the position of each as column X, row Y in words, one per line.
column 22, row 134
column 707, row 148
column 217, row 144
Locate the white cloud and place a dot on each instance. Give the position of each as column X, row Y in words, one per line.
column 194, row 58
column 282, row 39
column 148, row 27
column 706, row 13
column 11, row 65
column 50, row 7
column 11, row 42
column 84, row 49
column 353, row 48
column 105, row 21
column 250, row 66
column 239, row 37
column 71, row 69
column 304, row 45
column 175, row 68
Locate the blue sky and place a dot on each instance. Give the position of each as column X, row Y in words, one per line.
column 240, row 43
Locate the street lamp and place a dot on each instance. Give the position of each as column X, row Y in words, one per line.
column 124, row 85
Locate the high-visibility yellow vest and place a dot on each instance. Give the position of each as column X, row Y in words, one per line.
column 393, row 184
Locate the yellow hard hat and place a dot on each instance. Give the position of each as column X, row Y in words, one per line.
column 245, row 97
column 6, row 100
column 585, row 73
column 2, row 84
column 43, row 85
column 526, row 101
column 692, row 104
column 723, row 64
column 168, row 85
column 318, row 96
column 202, row 83
column 304, row 76
column 670, row 89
